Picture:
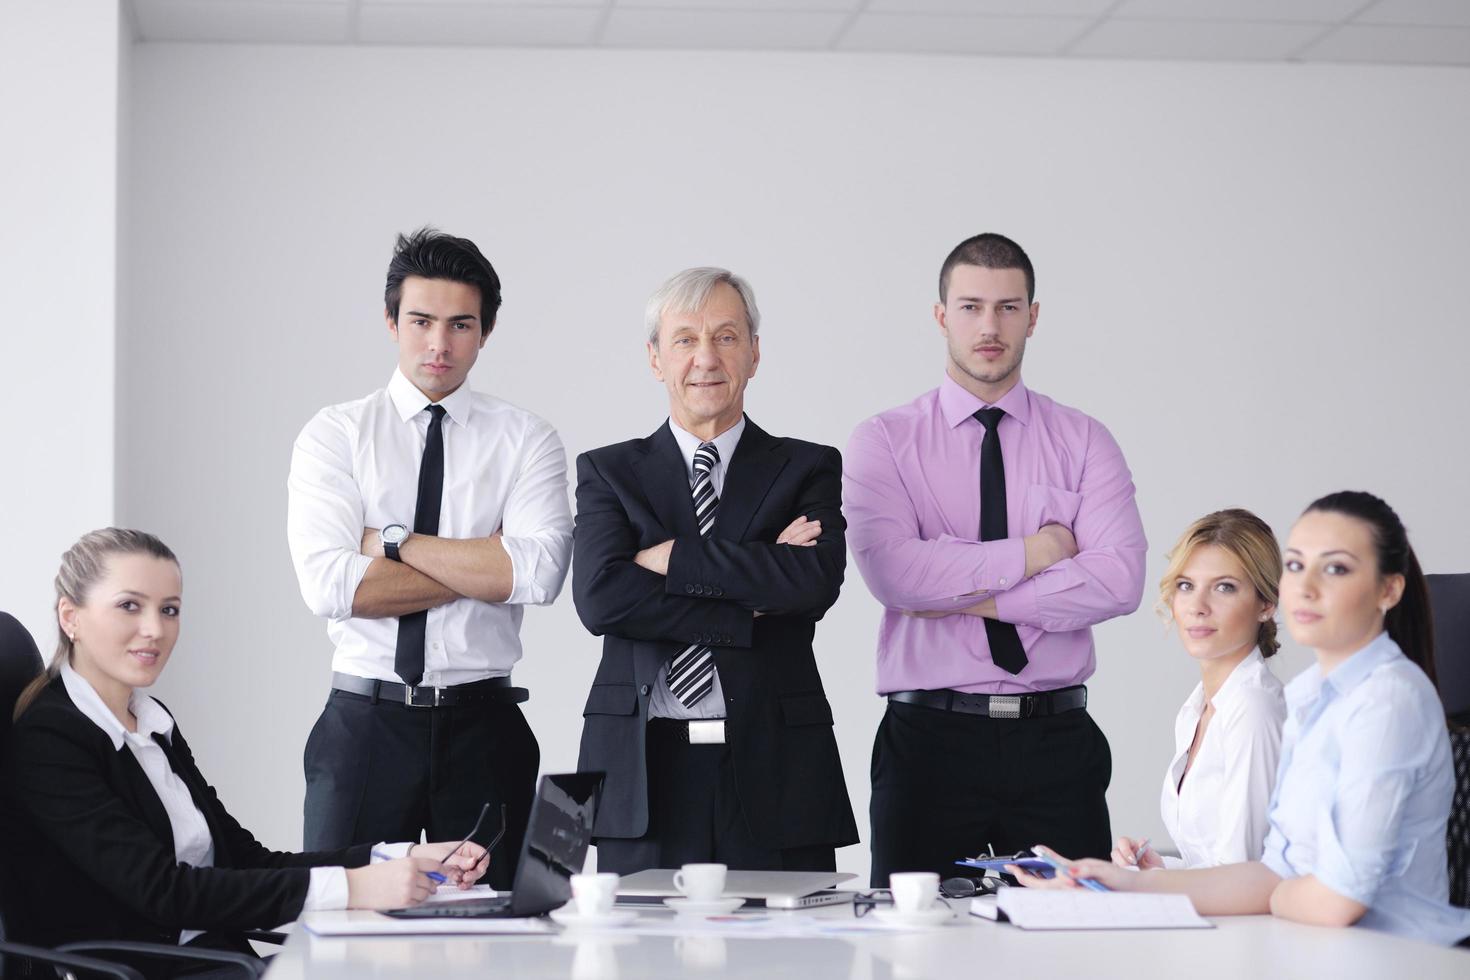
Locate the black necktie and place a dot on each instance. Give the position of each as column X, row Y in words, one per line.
column 692, row 672
column 408, row 656
column 1005, row 644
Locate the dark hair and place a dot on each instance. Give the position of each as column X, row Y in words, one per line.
column 1409, row 623
column 989, row 251
column 431, row 254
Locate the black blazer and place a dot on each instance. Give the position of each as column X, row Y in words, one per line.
column 90, row 853
column 778, row 723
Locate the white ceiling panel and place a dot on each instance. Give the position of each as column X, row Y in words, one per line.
column 755, row 29
column 1304, row 11
column 1002, row 8
column 1419, row 13
column 242, row 20
column 830, row 6
column 1394, row 45
column 1202, row 40
column 483, row 3
column 953, row 34
column 485, row 24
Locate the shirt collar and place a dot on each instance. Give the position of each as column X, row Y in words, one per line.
column 725, row 443
column 1251, row 666
column 1308, row 685
column 409, row 401
column 152, row 718
column 957, row 404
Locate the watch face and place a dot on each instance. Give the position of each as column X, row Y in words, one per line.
column 394, row 534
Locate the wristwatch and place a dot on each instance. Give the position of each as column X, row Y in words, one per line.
column 392, row 536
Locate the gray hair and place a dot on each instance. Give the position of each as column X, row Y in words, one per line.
column 687, row 292
column 83, row 564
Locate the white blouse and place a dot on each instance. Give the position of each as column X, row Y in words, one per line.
column 1219, row 815
column 193, row 843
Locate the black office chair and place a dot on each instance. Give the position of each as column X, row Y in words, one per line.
column 1449, row 602
column 20, row 663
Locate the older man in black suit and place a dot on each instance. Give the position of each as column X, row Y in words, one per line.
column 704, row 554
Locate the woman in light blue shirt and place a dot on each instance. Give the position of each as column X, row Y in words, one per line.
column 1357, row 823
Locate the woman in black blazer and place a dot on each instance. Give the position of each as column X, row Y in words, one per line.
column 114, row 833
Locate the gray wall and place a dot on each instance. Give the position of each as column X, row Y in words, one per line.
column 1247, row 272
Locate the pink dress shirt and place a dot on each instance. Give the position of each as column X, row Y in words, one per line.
column 911, row 495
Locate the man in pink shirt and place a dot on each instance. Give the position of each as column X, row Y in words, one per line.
column 996, row 527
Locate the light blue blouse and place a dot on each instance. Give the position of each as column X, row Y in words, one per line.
column 1364, row 789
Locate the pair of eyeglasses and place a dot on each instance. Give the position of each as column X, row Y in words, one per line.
column 476, row 829
column 863, row 903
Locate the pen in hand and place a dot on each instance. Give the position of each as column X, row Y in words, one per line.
column 1061, row 869
column 1139, row 852
column 433, row 876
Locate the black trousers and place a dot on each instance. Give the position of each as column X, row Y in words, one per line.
column 694, row 815
column 386, row 772
column 947, row 784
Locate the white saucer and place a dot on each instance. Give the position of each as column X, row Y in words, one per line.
column 717, row 906
column 937, row 914
column 568, row 916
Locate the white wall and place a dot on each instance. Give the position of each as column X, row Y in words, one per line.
column 59, row 69
column 1250, row 273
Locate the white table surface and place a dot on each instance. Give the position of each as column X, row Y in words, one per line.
column 973, row 949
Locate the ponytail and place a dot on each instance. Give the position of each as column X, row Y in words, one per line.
column 1409, row 623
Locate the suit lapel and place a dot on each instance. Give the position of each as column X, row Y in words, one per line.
column 666, row 483
column 758, row 460
column 145, row 797
column 194, row 781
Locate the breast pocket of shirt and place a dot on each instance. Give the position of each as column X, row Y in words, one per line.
column 1048, row 505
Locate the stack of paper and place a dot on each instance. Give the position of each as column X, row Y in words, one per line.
column 1074, row 908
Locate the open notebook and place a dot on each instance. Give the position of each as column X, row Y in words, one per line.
column 1078, row 909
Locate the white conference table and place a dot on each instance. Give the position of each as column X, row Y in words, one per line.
column 971, row 949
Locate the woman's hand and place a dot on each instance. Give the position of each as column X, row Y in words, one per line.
column 394, row 884
column 1125, row 855
column 463, row 864
column 1103, row 872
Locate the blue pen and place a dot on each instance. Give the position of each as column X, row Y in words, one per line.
column 432, row 875
column 1061, row 869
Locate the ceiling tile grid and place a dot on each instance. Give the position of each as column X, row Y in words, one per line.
column 1417, row 32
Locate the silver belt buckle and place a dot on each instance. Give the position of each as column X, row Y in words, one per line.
column 1005, row 706
column 707, row 732
column 408, row 697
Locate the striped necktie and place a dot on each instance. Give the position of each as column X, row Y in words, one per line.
column 692, row 672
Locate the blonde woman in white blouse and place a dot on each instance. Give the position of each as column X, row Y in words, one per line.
column 1220, row 590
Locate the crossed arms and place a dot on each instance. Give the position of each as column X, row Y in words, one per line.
column 689, row 589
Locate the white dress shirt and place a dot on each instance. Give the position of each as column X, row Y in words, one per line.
column 712, row 705
column 356, row 465
column 1218, row 816
column 193, row 843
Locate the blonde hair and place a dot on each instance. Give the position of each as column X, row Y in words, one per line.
column 83, row 564
column 1249, row 540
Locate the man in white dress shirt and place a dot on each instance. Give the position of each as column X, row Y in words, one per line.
column 421, row 519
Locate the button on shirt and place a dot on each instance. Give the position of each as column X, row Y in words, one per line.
column 1218, row 815
column 193, row 843
column 1364, row 792
column 356, row 466
column 911, row 494
column 663, row 703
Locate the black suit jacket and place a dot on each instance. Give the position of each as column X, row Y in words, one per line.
column 90, row 853
column 634, row 495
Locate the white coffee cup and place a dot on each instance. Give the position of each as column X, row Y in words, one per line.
column 701, row 882
column 594, row 893
column 913, row 891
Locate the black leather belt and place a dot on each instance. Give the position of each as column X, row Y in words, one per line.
column 998, row 705
column 488, row 691
column 699, row 731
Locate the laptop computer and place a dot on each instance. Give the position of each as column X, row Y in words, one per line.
column 760, row 889
column 555, row 848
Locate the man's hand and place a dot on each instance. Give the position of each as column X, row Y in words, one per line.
column 985, row 609
column 1051, row 544
column 372, row 543
column 656, row 559
column 801, row 533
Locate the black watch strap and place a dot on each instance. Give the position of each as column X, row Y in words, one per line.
column 390, row 548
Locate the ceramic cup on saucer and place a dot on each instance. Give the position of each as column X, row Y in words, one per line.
column 913, row 891
column 593, row 894
column 705, row 882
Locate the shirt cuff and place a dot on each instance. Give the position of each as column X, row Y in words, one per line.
column 1019, row 605
column 328, row 890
